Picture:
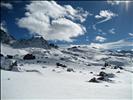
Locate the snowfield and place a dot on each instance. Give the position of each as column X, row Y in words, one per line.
column 42, row 78
column 7, row 50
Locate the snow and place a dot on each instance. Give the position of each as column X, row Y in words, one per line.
column 44, row 80
column 7, row 50
column 51, row 85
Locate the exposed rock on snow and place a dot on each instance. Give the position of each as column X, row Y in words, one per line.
column 118, row 72
column 94, row 80
column 109, row 75
column 118, row 67
column 7, row 64
column 29, row 57
column 70, row 70
column 61, row 65
column 106, row 76
column 1, row 55
column 9, row 56
column 10, row 65
column 59, row 74
column 103, row 68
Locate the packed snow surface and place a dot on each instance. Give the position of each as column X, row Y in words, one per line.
column 41, row 78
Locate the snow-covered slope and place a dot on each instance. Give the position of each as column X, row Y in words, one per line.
column 8, row 50
column 64, row 73
column 60, row 84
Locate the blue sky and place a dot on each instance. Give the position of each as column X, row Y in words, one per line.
column 104, row 21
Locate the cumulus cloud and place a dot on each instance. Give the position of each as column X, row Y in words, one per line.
column 112, row 31
column 113, row 45
column 64, row 29
column 53, row 21
column 6, row 5
column 130, row 34
column 3, row 26
column 100, row 39
column 105, row 15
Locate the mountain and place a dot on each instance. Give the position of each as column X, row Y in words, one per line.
column 5, row 37
column 38, row 42
column 125, row 51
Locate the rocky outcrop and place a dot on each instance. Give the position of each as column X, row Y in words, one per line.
column 38, row 42
column 29, row 57
column 5, row 37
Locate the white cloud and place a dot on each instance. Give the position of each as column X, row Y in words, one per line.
column 78, row 13
column 113, row 2
column 64, row 29
column 131, row 34
column 53, row 21
column 112, row 45
column 105, row 15
column 94, row 27
column 124, row 3
column 117, row 2
column 100, row 31
column 54, row 10
column 112, row 31
column 3, row 26
column 100, row 39
column 6, row 5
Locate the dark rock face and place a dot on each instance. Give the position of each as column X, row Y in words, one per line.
column 62, row 58
column 106, row 64
column 103, row 68
column 5, row 37
column 39, row 42
column 74, row 47
column 88, row 64
column 13, row 64
column 53, row 46
column 116, row 67
column 102, row 78
column 118, row 72
column 29, row 57
column 1, row 55
column 94, row 80
column 36, row 41
column 91, row 72
column 9, row 56
column 109, row 75
column 8, row 64
column 105, row 76
column 70, row 70
column 117, row 63
column 121, row 68
column 61, row 65
column 102, row 73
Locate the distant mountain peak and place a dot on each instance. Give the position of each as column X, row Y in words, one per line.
column 5, row 37
column 36, row 41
